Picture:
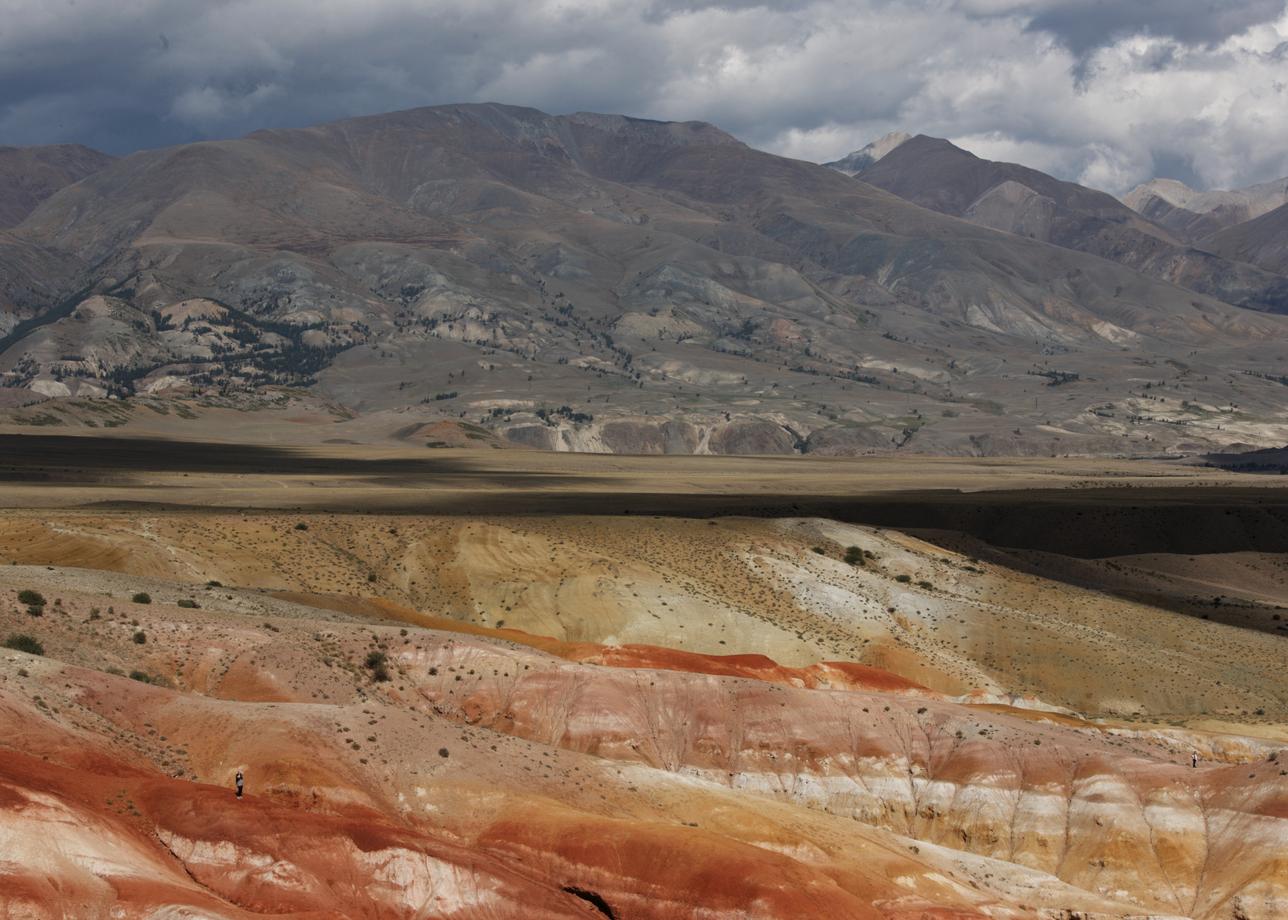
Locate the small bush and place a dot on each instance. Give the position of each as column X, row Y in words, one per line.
column 214, row 584
column 95, row 614
column 903, row 579
column 141, row 676
column 140, row 638
column 21, row 642
column 854, row 555
column 925, row 584
column 376, row 664
column 301, row 526
column 31, row 598
column 188, row 602
column 819, row 550
column 142, row 598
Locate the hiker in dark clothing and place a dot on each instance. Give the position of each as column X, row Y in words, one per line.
column 241, row 783
column 1194, row 758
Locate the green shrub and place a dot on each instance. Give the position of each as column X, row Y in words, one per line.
column 31, row 598
column 903, row 579
column 140, row 637
column 376, row 664
column 819, row 550
column 142, row 598
column 301, row 526
column 188, row 602
column 141, row 676
column 854, row 555
column 20, row 642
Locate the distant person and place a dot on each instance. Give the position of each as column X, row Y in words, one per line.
column 241, row 783
column 1194, row 758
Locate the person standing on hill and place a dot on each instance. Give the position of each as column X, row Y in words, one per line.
column 241, row 783
column 1194, row 758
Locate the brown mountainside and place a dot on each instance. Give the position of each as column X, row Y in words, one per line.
column 936, row 174
column 598, row 282
column 1262, row 241
column 29, row 175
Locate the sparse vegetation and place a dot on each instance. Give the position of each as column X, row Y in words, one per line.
column 142, row 598
column 21, row 642
column 377, row 664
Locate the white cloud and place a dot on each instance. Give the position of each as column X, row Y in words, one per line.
column 1057, row 84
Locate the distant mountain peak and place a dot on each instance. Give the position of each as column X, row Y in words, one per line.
column 1173, row 191
column 1194, row 214
column 861, row 159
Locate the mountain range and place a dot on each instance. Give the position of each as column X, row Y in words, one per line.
column 600, row 282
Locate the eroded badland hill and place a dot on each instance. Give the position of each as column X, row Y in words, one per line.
column 485, row 687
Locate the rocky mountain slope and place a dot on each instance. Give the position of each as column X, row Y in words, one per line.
column 597, row 282
column 1193, row 215
column 1262, row 241
column 936, row 174
column 29, row 175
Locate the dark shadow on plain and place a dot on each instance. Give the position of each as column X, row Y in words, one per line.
column 72, row 459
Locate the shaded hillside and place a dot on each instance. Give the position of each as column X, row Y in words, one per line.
column 29, row 175
column 1262, row 241
column 936, row 174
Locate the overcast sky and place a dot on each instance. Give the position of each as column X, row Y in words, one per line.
column 1106, row 92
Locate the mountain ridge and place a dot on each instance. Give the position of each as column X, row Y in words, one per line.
column 598, row 282
column 1195, row 215
column 937, row 174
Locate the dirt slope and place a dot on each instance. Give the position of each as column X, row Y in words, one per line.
column 488, row 779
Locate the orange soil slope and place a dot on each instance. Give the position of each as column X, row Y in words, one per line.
column 487, row 778
column 715, row 588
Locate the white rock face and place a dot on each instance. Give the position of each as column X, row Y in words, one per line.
column 860, row 160
column 48, row 387
column 1243, row 203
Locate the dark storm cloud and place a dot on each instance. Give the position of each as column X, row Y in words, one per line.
column 1185, row 83
column 1084, row 25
